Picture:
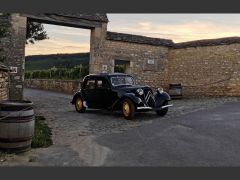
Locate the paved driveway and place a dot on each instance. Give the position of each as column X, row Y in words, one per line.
column 203, row 138
column 196, row 132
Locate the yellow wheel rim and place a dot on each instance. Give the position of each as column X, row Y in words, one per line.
column 126, row 109
column 79, row 104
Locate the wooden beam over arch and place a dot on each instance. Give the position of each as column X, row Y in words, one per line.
column 85, row 21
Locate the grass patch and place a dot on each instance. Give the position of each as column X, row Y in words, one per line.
column 42, row 133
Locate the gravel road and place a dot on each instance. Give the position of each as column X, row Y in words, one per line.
column 74, row 134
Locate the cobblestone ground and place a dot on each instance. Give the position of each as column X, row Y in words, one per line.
column 74, row 133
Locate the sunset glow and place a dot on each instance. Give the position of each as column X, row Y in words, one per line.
column 178, row 27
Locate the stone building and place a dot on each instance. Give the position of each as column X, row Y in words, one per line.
column 204, row 67
column 14, row 44
column 3, row 82
column 145, row 58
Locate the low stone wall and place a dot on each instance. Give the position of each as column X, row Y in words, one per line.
column 3, row 83
column 64, row 86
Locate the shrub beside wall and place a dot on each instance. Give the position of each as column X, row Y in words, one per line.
column 75, row 73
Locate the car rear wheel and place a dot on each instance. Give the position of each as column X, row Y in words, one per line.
column 128, row 109
column 79, row 105
column 164, row 111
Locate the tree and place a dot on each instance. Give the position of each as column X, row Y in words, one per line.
column 35, row 32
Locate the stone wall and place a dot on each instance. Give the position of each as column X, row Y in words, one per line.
column 3, row 83
column 14, row 44
column 202, row 71
column 64, row 86
column 154, row 75
column 206, row 70
column 147, row 61
column 204, row 67
column 14, row 49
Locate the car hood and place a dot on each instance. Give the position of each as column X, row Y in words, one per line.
column 133, row 88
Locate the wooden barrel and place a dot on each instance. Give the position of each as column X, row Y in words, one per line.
column 175, row 91
column 17, row 122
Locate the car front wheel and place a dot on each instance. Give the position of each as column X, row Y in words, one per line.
column 79, row 105
column 164, row 111
column 128, row 109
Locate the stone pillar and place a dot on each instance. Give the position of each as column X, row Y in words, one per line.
column 14, row 49
column 98, row 35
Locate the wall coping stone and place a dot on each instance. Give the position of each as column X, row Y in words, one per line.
column 138, row 39
column 131, row 38
column 208, row 42
column 63, row 80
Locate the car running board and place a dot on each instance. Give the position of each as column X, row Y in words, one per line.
column 150, row 108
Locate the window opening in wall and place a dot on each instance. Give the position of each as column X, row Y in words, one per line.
column 121, row 66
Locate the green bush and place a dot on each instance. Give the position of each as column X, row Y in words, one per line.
column 77, row 72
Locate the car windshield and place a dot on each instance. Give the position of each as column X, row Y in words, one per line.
column 122, row 80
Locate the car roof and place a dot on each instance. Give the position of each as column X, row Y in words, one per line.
column 107, row 75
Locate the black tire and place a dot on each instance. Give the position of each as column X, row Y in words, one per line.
column 164, row 111
column 131, row 113
column 79, row 108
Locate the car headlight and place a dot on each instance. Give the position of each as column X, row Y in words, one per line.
column 160, row 90
column 140, row 92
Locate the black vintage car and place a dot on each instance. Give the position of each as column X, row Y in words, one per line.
column 118, row 91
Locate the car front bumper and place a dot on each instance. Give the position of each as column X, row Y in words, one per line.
column 155, row 109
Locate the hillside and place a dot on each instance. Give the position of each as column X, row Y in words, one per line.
column 40, row 62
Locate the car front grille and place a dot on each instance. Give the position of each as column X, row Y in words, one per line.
column 149, row 98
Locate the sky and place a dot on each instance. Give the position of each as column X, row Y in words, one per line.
column 177, row 27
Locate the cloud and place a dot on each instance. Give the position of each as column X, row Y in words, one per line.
column 62, row 40
column 56, row 46
column 52, row 30
column 202, row 27
column 178, row 27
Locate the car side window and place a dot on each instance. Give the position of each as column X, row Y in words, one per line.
column 90, row 84
column 102, row 84
column 99, row 84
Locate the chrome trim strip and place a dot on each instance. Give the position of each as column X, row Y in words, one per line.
column 163, row 107
column 144, row 108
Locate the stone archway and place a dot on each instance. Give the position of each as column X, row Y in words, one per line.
column 14, row 44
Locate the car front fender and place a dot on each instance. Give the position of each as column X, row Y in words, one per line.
column 160, row 98
column 136, row 100
column 75, row 96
